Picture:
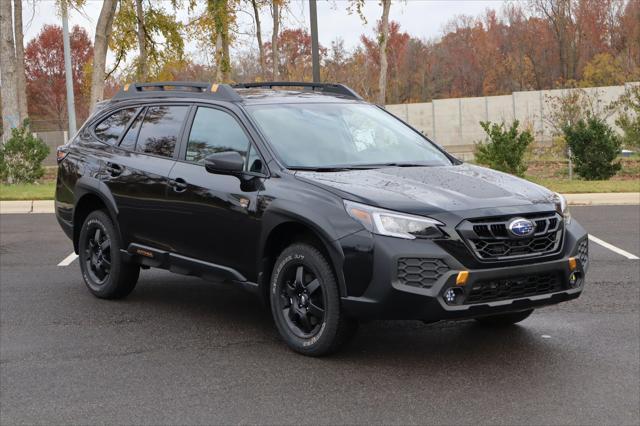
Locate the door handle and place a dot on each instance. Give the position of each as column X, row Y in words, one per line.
column 178, row 184
column 114, row 169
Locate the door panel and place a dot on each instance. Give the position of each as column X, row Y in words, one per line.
column 139, row 187
column 214, row 216
column 138, row 175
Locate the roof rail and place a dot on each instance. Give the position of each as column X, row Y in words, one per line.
column 338, row 89
column 172, row 88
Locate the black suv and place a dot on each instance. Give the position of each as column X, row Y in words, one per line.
column 330, row 208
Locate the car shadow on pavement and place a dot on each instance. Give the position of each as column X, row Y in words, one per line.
column 176, row 300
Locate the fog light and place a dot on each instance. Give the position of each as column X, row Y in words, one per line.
column 450, row 296
column 573, row 279
column 453, row 296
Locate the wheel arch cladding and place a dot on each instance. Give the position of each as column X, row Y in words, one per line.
column 282, row 233
column 91, row 195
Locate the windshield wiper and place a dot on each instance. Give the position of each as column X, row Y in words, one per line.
column 322, row 169
column 396, row 164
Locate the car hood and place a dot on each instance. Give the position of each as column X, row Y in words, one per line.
column 428, row 190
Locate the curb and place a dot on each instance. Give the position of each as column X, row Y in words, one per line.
column 595, row 199
column 24, row 207
column 604, row 199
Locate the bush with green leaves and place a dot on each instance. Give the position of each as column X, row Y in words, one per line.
column 594, row 148
column 505, row 148
column 21, row 156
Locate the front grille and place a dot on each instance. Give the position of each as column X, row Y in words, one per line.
column 420, row 272
column 490, row 239
column 583, row 253
column 514, row 288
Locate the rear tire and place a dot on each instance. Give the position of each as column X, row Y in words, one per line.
column 504, row 320
column 305, row 302
column 104, row 271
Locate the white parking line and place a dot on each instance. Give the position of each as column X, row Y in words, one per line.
column 67, row 260
column 613, row 248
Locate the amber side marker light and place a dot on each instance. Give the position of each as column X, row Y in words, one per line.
column 462, row 277
column 573, row 264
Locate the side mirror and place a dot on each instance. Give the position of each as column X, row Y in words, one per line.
column 224, row 163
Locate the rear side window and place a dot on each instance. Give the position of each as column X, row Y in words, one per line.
column 160, row 130
column 110, row 129
column 215, row 131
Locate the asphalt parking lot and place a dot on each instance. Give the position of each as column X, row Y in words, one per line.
column 184, row 351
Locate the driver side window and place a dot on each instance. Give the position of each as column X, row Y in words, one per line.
column 215, row 131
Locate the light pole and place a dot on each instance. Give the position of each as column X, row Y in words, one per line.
column 71, row 109
column 315, row 54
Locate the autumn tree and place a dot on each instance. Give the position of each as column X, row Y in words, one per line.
column 45, row 74
column 275, row 17
column 383, row 39
column 9, row 92
column 100, row 48
column 256, row 6
column 395, row 55
column 147, row 28
column 223, row 16
column 383, row 42
column 21, row 81
column 603, row 70
column 294, row 53
column 566, row 26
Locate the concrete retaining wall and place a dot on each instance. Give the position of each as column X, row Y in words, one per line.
column 455, row 123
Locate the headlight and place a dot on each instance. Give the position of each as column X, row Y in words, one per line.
column 386, row 222
column 562, row 207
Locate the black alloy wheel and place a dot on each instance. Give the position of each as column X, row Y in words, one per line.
column 302, row 300
column 98, row 253
column 305, row 302
column 104, row 270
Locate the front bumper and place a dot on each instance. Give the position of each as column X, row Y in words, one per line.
column 385, row 296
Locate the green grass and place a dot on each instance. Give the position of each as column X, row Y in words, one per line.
column 45, row 191
column 576, row 186
column 28, row 191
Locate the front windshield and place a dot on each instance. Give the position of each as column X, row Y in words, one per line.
column 342, row 135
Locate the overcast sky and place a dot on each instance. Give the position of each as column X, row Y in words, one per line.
column 420, row 18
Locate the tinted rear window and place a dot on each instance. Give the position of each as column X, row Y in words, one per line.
column 110, row 129
column 160, row 130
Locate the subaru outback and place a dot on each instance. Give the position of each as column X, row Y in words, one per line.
column 331, row 209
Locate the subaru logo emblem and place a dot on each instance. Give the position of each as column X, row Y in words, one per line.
column 521, row 227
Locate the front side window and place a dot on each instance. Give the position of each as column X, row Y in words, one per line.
column 342, row 135
column 160, row 130
column 214, row 131
column 110, row 129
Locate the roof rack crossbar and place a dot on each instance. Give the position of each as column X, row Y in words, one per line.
column 339, row 89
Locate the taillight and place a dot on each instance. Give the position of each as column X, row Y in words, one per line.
column 61, row 153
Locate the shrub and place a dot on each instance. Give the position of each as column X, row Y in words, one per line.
column 505, row 148
column 594, row 146
column 629, row 119
column 21, row 156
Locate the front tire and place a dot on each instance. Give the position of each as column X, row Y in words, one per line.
column 504, row 320
column 104, row 271
column 305, row 302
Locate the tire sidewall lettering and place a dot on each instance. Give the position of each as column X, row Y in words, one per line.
column 274, row 291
